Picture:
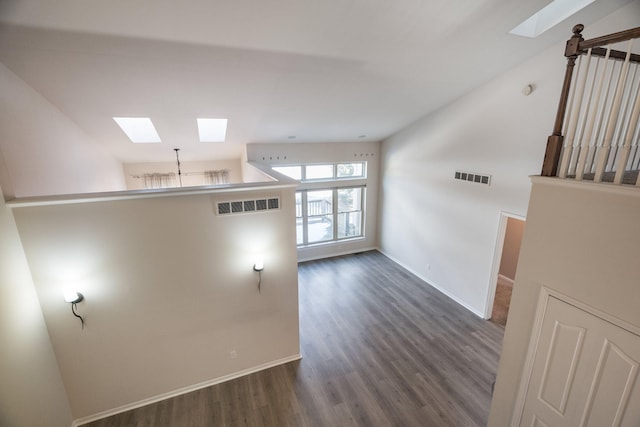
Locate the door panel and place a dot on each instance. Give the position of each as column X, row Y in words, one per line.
column 613, row 382
column 584, row 372
column 560, row 366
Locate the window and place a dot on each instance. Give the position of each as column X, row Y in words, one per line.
column 349, row 212
column 328, row 215
column 319, row 216
column 350, row 170
column 313, row 172
column 294, row 172
column 324, row 172
column 330, row 202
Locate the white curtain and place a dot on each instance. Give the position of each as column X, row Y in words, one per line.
column 158, row 180
column 216, row 177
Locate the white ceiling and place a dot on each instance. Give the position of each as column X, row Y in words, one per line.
column 316, row 70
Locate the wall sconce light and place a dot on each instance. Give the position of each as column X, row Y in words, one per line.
column 74, row 298
column 259, row 266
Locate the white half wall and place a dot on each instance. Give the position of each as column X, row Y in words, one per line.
column 31, row 389
column 45, row 153
column 170, row 291
column 581, row 240
column 444, row 229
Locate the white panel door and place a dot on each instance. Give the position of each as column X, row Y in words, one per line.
column 585, row 372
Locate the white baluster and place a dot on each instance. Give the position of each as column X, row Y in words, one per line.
column 570, row 137
column 584, row 153
column 567, row 148
column 613, row 118
column 626, row 147
column 623, row 120
column 598, row 135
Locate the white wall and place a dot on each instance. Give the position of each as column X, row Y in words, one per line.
column 46, row 153
column 582, row 240
column 310, row 153
column 31, row 390
column 192, row 172
column 169, row 291
column 444, row 229
column 251, row 173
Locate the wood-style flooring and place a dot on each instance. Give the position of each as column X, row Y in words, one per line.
column 501, row 302
column 380, row 348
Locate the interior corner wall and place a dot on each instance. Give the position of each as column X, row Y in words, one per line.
column 169, row 289
column 31, row 390
column 249, row 172
column 44, row 151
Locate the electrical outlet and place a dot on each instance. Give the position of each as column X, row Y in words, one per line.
column 233, row 354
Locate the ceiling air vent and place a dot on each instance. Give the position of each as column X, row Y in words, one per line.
column 247, row 206
column 473, row 177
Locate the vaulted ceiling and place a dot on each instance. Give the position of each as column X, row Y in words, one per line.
column 279, row 70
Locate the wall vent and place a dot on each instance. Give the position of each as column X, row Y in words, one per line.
column 247, row 206
column 473, row 177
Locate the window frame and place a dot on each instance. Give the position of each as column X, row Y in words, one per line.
column 334, row 184
column 335, row 212
column 303, row 171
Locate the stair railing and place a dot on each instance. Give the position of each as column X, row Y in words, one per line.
column 596, row 133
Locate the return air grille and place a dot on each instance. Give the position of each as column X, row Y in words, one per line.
column 248, row 206
column 261, row 204
column 473, row 177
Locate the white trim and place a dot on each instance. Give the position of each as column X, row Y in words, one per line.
column 143, row 194
column 277, row 181
column 497, row 257
column 334, row 254
column 433, row 285
column 527, row 369
column 505, row 279
column 607, row 187
column 184, row 390
column 629, row 327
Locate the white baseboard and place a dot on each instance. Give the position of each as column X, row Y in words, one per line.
column 434, row 285
column 505, row 280
column 336, row 254
column 183, row 390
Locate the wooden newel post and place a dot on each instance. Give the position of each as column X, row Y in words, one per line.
column 554, row 142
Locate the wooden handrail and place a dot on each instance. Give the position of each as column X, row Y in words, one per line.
column 621, row 36
column 616, row 54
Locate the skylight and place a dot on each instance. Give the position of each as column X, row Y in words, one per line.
column 549, row 16
column 212, row 130
column 138, row 129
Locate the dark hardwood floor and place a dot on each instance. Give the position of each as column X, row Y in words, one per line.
column 380, row 348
